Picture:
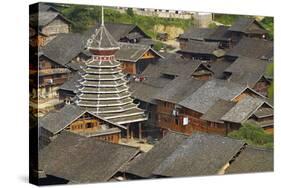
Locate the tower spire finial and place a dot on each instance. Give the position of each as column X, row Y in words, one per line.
column 102, row 19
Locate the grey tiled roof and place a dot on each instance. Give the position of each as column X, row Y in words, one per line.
column 157, row 86
column 133, row 52
column 197, row 33
column 251, row 160
column 209, row 93
column 156, row 155
column 215, row 112
column 243, row 109
column 178, row 89
column 102, row 39
column 264, row 112
column 72, row 83
column 58, row 120
column 243, row 24
column 221, row 33
column 175, row 65
column 247, row 70
column 218, row 67
column 200, row 47
column 43, row 7
column 84, row 160
column 252, row 48
column 178, row 155
column 64, row 47
column 199, row 155
column 43, row 18
column 118, row 30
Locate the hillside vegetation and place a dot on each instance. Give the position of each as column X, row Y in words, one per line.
column 84, row 17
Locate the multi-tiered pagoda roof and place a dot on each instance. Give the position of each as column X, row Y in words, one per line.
column 103, row 88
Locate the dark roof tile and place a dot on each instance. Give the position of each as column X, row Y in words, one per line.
column 247, row 70
column 216, row 111
column 178, row 155
column 197, row 33
column 83, row 160
column 199, row 155
column 210, row 92
column 252, row 48
column 244, row 24
column 200, row 47
column 251, row 160
column 64, row 47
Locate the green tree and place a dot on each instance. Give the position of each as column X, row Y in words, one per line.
column 82, row 17
column 251, row 133
column 268, row 23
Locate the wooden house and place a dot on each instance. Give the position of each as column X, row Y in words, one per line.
column 249, row 108
column 249, row 71
column 42, row 7
column 50, row 69
column 80, row 121
column 162, row 36
column 51, row 75
column 203, row 106
column 36, row 39
column 45, row 79
column 167, row 76
column 122, row 32
column 252, row 48
column 193, row 34
column 169, row 113
column 135, row 58
column 247, row 27
column 201, row 50
column 222, row 35
column 67, row 50
column 48, row 21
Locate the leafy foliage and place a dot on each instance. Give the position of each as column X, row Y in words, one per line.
column 226, row 19
column 82, row 17
column 253, row 134
column 158, row 46
column 212, row 25
column 268, row 23
column 269, row 69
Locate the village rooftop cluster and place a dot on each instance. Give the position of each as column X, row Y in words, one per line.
column 109, row 107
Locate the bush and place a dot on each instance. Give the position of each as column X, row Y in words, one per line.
column 212, row 25
column 253, row 134
column 158, row 45
column 226, row 19
column 268, row 23
column 130, row 12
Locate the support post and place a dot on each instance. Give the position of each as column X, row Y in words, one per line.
column 128, row 133
column 140, row 131
column 132, row 132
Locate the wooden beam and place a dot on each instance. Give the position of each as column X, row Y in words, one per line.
column 140, row 131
